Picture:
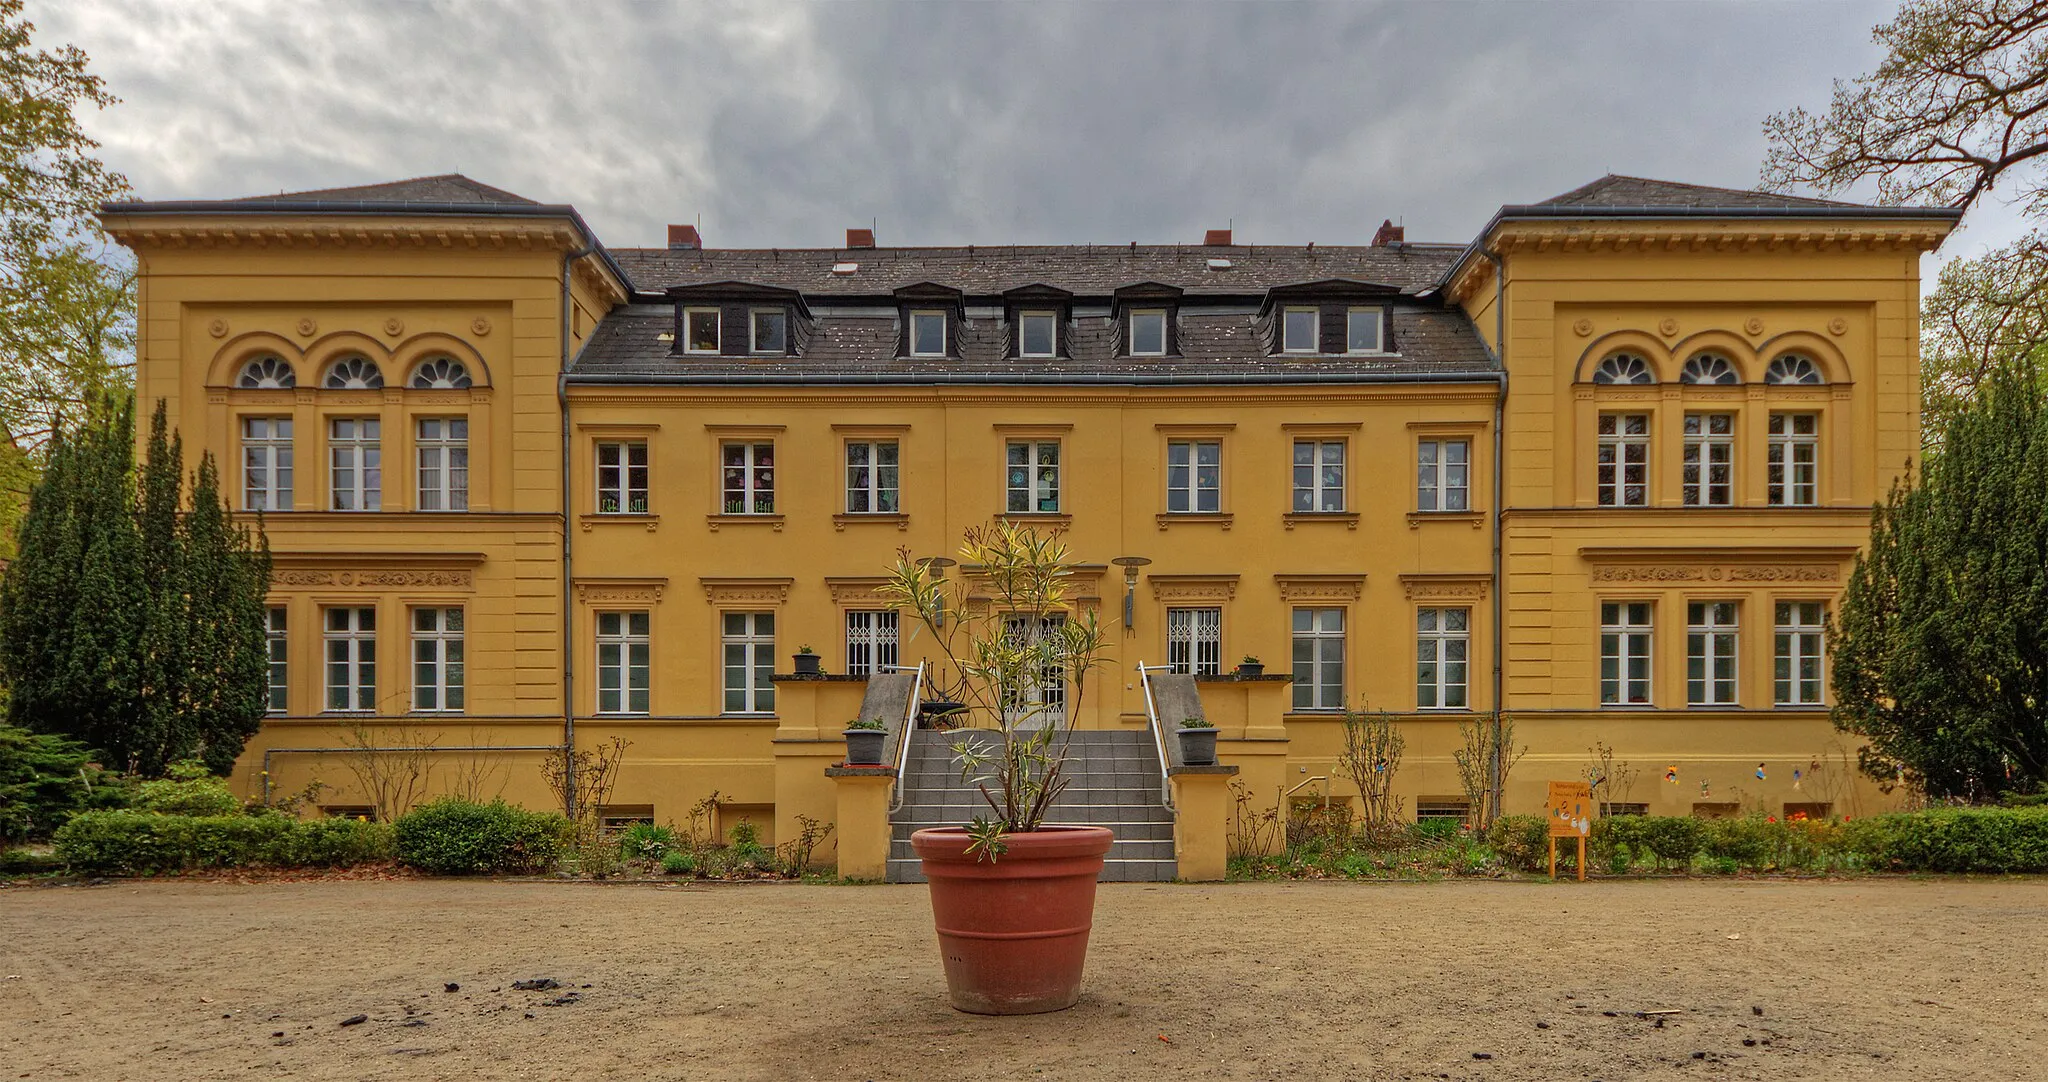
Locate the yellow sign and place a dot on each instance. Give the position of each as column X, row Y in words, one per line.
column 1570, row 809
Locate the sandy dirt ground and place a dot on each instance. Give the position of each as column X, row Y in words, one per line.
column 1877, row 979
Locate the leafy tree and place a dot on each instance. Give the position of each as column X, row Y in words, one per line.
column 1941, row 652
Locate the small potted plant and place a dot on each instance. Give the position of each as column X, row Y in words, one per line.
column 1251, row 666
column 864, row 740
column 1197, row 742
column 807, row 661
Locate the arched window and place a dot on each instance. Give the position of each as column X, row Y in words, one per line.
column 1624, row 368
column 440, row 374
column 353, row 374
column 1709, row 368
column 267, row 373
column 1793, row 368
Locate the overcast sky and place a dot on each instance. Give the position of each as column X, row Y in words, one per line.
column 968, row 122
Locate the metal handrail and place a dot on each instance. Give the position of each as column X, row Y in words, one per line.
column 1158, row 734
column 1305, row 783
column 909, row 726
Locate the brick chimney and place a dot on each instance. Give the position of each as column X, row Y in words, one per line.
column 1216, row 238
column 860, row 238
column 684, row 236
column 1389, row 233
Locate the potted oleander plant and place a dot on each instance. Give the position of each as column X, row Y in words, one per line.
column 1197, row 742
column 1251, row 666
column 807, row 661
column 1013, row 896
column 865, row 738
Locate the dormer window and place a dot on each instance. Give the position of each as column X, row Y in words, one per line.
column 1362, row 330
column 1300, row 328
column 700, row 330
column 770, row 330
column 1148, row 332
column 1038, row 334
column 927, row 333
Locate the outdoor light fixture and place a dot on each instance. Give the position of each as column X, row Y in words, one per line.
column 939, row 563
column 1130, row 564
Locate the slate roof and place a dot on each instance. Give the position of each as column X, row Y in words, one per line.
column 446, row 188
column 1615, row 190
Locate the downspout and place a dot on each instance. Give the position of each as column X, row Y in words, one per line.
column 1500, row 415
column 568, row 551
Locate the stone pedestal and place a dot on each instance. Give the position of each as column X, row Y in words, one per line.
column 1201, row 826
column 863, row 819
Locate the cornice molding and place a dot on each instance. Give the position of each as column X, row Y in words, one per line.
column 746, row 591
column 600, row 591
column 728, row 397
column 1320, row 587
column 1216, row 588
column 1473, row 587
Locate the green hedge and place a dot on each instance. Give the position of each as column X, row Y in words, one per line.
column 1954, row 840
column 461, row 837
column 1939, row 840
column 145, row 843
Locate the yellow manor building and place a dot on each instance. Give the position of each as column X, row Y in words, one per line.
column 1604, row 468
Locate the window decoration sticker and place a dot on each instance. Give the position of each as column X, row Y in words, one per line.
column 1671, row 774
column 1760, row 772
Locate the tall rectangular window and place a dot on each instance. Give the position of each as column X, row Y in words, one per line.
column 1625, row 653
column 1037, row 334
column 1443, row 475
column 279, row 649
column 1194, row 476
column 1624, row 460
column 1300, row 329
column 749, row 645
column 443, row 449
column 1319, row 659
column 266, row 463
column 437, row 659
column 1443, row 650
column 700, row 330
column 622, row 478
column 356, row 463
column 1709, row 459
column 771, row 330
column 1710, row 652
column 1194, row 641
column 927, row 334
column 622, row 662
column 1148, row 333
column 351, row 641
column 870, row 642
column 1362, row 330
column 1032, row 477
column 1797, row 660
column 1794, row 464
column 871, row 477
column 1318, row 475
column 748, row 478
column 1046, row 697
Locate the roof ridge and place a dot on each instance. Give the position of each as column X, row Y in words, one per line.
column 490, row 193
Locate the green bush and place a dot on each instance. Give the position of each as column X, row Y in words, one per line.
column 28, row 862
column 145, row 843
column 461, row 837
column 1953, row 840
column 46, row 779
column 645, row 841
column 187, row 788
column 1519, row 841
column 1670, row 840
column 679, row 864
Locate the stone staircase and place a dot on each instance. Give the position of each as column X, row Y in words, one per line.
column 1114, row 783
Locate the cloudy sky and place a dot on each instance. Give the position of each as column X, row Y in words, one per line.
column 966, row 122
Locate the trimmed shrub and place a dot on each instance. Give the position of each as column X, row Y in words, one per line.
column 461, row 837
column 144, row 843
column 1519, row 841
column 1952, row 840
column 187, row 788
column 1670, row 840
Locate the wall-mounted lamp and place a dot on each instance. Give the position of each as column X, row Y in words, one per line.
column 939, row 564
column 1130, row 564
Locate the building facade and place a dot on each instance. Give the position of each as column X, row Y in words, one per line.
column 1604, row 468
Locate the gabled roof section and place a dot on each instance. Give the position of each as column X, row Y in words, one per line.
column 446, row 188
column 1615, row 190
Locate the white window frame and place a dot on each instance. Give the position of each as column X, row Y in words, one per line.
column 625, row 642
column 1131, row 331
column 1372, row 317
column 1320, row 489
column 1443, row 658
column 945, row 329
column 267, row 453
column 359, row 455
column 1613, row 463
column 756, row 478
column 1184, row 479
column 1315, row 329
column 1705, row 451
column 1052, row 333
column 437, row 659
column 443, row 463
column 717, row 330
column 1442, row 484
column 1034, row 488
column 1792, row 466
column 277, row 649
column 866, row 479
column 873, row 638
column 755, row 692
column 1046, row 698
column 1798, row 628
column 1713, row 652
column 615, row 479
column 754, row 330
column 349, row 656
column 1194, row 640
column 1312, row 682
column 1627, row 665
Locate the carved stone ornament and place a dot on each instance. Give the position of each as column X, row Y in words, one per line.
column 1753, row 326
column 218, row 328
column 1718, row 573
column 394, row 326
column 1211, row 588
column 479, row 326
column 746, row 591
column 1445, row 587
column 856, row 593
column 635, row 592
column 371, row 579
column 1667, row 327
column 1582, row 327
column 1320, row 587
column 1838, row 326
column 308, row 326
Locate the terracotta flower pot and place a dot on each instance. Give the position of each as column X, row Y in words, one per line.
column 1013, row 933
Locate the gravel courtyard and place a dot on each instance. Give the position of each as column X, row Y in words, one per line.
column 1929, row 979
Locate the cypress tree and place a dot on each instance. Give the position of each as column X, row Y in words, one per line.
column 162, row 725
column 227, row 580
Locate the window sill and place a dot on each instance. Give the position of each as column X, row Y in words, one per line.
column 1296, row 518
column 1038, row 518
column 716, row 521
column 1223, row 519
column 590, row 521
column 858, row 518
column 1474, row 519
column 621, row 713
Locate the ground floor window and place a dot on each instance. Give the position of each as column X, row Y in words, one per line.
column 351, row 659
column 622, row 662
column 870, row 642
column 1194, row 641
column 279, row 698
column 1443, row 644
column 1319, row 659
column 1625, row 653
column 437, row 659
column 1047, row 696
column 1796, row 668
column 749, row 648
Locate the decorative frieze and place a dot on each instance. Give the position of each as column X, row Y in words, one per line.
column 1175, row 589
column 763, row 591
column 1446, row 587
column 380, row 578
column 620, row 591
column 1733, row 573
column 1320, row 587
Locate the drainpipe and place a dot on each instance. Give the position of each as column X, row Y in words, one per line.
column 1500, row 416
column 568, row 553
